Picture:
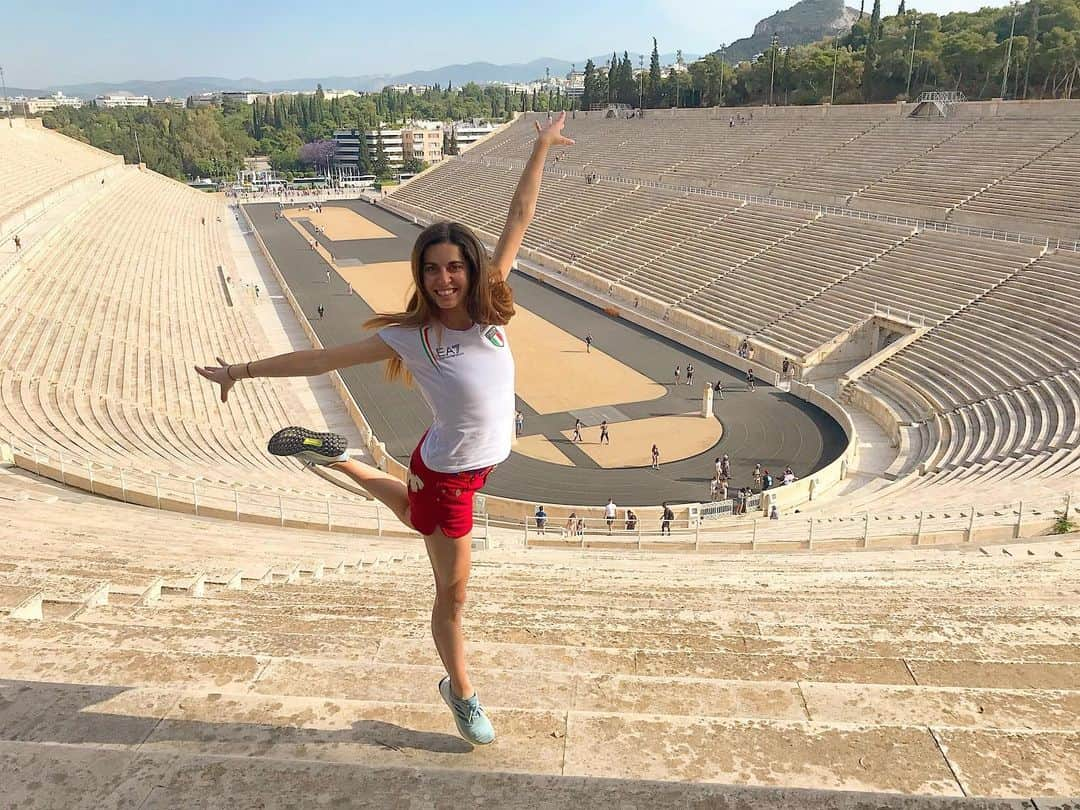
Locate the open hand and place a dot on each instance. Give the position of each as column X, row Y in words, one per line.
column 551, row 134
column 220, row 375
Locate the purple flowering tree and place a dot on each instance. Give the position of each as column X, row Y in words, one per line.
column 317, row 154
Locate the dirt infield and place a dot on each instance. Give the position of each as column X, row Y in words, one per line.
column 542, row 449
column 678, row 436
column 339, row 224
column 554, row 372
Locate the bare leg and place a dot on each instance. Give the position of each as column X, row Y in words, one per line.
column 450, row 561
column 382, row 486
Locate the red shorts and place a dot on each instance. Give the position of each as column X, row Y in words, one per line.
column 442, row 500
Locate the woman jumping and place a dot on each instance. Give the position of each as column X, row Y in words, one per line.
column 452, row 341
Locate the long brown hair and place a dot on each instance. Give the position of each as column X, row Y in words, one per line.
column 489, row 300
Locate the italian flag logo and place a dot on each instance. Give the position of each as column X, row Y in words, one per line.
column 425, row 339
column 495, row 336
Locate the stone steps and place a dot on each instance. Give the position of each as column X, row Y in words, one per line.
column 786, row 746
column 374, row 764
column 665, row 658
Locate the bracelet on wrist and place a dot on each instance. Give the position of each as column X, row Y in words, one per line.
column 247, row 369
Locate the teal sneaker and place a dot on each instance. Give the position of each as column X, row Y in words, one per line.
column 472, row 722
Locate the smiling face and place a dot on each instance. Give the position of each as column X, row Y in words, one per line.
column 445, row 273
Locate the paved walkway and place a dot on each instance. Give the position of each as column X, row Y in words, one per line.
column 768, row 426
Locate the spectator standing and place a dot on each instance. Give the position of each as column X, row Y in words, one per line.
column 766, row 479
column 322, row 311
column 785, row 368
column 719, row 468
column 689, row 373
column 571, row 524
column 655, row 457
column 541, row 519
column 18, row 242
column 631, row 520
column 757, row 476
column 722, row 491
column 789, row 476
column 665, row 520
column 609, row 514
column 774, row 513
column 519, row 423
column 588, row 343
column 577, row 431
column 725, row 466
column 750, row 379
column 718, row 390
column 678, row 369
column 604, row 438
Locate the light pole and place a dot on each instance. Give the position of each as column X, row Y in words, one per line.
column 911, row 64
column 641, row 84
column 3, row 83
column 835, row 56
column 723, row 55
column 1008, row 50
column 772, row 72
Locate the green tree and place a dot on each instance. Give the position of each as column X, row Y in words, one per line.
column 588, row 96
column 655, row 88
column 381, row 166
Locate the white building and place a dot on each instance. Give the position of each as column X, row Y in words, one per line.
column 34, row 106
column 467, row 133
column 122, row 100
column 419, row 139
column 243, row 96
column 405, row 88
column 169, row 101
column 330, row 95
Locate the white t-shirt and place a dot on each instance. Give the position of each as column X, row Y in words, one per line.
column 609, row 510
column 467, row 379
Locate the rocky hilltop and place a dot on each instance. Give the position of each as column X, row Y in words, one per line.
column 805, row 22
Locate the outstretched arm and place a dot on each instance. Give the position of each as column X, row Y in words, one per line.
column 523, row 206
column 307, row 363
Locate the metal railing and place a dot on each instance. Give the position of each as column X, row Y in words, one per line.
column 195, row 495
column 867, row 530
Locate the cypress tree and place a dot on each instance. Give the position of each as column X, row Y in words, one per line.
column 363, row 157
column 588, row 97
column 900, row 11
column 654, row 76
column 382, row 162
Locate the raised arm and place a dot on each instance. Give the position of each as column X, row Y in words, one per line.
column 523, row 206
column 307, row 363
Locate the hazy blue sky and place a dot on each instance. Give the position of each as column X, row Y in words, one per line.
column 72, row 41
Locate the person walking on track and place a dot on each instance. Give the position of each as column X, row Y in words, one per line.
column 452, row 341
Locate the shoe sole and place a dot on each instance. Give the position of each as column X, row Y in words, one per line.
column 319, row 448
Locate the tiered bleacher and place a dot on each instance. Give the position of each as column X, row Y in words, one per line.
column 149, row 659
column 986, row 389
column 38, row 162
column 99, row 335
column 904, row 672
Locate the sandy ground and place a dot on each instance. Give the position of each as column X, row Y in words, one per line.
column 554, row 372
column 542, row 449
column 340, row 223
column 677, row 437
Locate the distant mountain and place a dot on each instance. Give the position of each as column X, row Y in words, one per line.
column 458, row 74
column 805, row 22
